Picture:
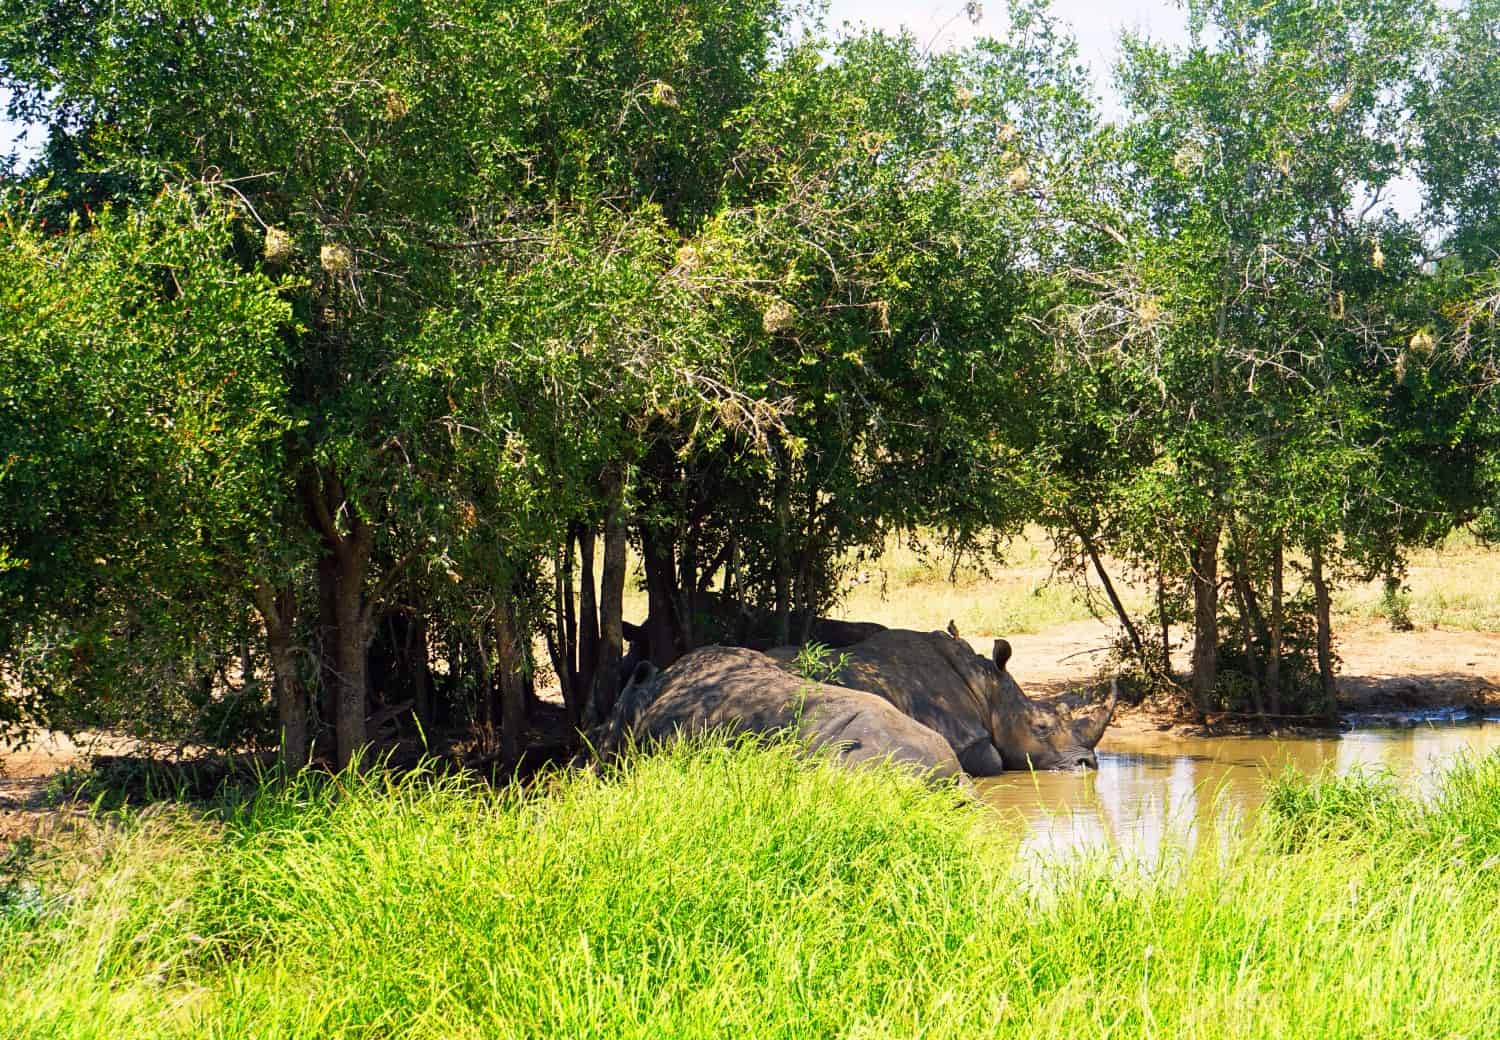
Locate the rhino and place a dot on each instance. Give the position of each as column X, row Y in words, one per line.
column 738, row 691
column 991, row 725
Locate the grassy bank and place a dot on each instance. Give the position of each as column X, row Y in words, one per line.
column 907, row 587
column 744, row 893
column 1453, row 585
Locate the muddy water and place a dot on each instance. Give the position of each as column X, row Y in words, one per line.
column 1153, row 793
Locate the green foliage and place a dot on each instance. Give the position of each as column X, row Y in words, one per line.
column 1364, row 808
column 1456, row 114
column 454, row 284
column 1395, row 603
column 1254, row 370
column 20, row 896
column 884, row 265
column 1459, row 823
column 818, row 663
column 421, row 184
column 108, row 784
column 1301, row 692
column 142, row 410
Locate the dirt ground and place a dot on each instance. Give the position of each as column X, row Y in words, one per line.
column 25, row 809
column 1381, row 671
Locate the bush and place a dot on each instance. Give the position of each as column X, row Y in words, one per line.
column 1301, row 687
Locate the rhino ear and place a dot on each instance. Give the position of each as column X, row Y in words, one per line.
column 1001, row 654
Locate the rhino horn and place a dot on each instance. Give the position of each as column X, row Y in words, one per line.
column 1090, row 729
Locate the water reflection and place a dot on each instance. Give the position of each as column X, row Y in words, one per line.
column 1153, row 794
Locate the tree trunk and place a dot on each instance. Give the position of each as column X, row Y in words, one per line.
column 247, row 656
column 345, row 612
column 687, row 588
column 1109, row 590
column 588, row 619
column 509, row 663
column 720, row 562
column 489, row 692
column 1257, row 618
column 1205, row 563
column 1273, row 650
column 562, row 637
column 732, row 570
column 783, row 492
column 1323, row 610
column 661, row 613
column 569, row 632
column 611, row 603
column 277, row 610
column 734, row 595
column 353, row 683
column 1252, row 662
column 561, row 664
column 419, row 678
column 807, row 609
column 1166, row 624
column 807, row 599
column 328, row 657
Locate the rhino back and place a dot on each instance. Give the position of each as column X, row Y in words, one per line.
column 718, row 687
column 915, row 673
column 744, row 691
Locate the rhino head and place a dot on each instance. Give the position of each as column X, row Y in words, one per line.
column 1030, row 735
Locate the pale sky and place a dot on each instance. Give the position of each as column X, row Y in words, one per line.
column 1096, row 26
column 10, row 135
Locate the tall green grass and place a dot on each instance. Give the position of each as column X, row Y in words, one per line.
column 749, row 892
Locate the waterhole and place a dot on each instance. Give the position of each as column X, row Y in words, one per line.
column 1153, row 793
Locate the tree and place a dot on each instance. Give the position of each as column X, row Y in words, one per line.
column 882, row 257
column 1460, row 168
column 1247, row 347
column 142, row 412
column 382, row 154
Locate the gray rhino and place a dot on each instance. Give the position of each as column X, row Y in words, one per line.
column 979, row 709
column 744, row 691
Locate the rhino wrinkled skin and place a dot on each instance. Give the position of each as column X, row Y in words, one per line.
column 923, row 699
column 735, row 690
column 974, row 703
